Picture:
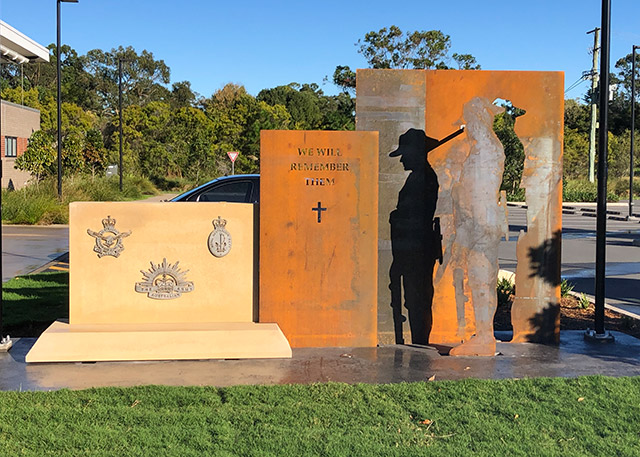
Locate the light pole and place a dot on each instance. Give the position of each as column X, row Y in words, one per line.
column 59, row 71
column 633, row 127
column 599, row 333
column 120, row 60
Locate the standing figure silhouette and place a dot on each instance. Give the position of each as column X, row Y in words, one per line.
column 415, row 236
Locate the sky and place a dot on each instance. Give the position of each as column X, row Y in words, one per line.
column 263, row 44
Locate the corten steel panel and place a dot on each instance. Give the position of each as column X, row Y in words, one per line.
column 318, row 235
column 103, row 289
column 535, row 313
column 390, row 102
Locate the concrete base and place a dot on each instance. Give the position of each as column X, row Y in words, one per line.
column 593, row 337
column 5, row 343
column 63, row 342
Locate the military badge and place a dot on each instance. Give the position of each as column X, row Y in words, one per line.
column 219, row 240
column 164, row 281
column 109, row 239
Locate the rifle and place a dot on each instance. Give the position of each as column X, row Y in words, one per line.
column 437, row 240
column 396, row 304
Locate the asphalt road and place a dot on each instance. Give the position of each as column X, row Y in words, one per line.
column 622, row 287
column 27, row 247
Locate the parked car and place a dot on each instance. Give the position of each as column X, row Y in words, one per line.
column 236, row 189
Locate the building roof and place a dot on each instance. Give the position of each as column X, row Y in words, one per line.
column 15, row 47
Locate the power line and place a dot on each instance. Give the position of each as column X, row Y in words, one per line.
column 582, row 79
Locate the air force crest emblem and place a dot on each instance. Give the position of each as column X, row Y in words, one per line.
column 109, row 239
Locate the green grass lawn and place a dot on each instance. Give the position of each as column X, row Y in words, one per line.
column 532, row 417
column 32, row 302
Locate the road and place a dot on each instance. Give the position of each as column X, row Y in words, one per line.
column 27, row 247
column 622, row 288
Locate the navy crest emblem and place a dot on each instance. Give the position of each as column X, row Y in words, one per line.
column 219, row 240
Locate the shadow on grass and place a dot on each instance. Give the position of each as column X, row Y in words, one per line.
column 32, row 302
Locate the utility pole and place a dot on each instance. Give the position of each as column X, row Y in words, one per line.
column 594, row 102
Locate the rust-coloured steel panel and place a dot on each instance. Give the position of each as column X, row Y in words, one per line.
column 535, row 313
column 318, row 236
column 391, row 102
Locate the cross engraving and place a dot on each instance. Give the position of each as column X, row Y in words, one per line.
column 319, row 209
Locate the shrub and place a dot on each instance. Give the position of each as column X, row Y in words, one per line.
column 566, row 288
column 31, row 205
column 516, row 196
column 38, row 203
column 582, row 190
column 505, row 289
column 620, row 187
column 583, row 301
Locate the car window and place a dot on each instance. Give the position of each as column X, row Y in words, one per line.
column 256, row 191
column 236, row 192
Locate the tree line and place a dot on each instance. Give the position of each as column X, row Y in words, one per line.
column 175, row 136
column 577, row 123
column 171, row 133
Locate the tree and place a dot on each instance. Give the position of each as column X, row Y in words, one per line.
column 576, row 152
column 40, row 157
column 181, row 95
column 143, row 77
column 392, row 48
column 192, row 140
column 466, row 62
column 301, row 101
column 577, row 116
column 94, row 154
column 503, row 126
column 345, row 78
column 238, row 118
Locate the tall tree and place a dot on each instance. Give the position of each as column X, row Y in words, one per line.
column 143, row 77
column 393, row 48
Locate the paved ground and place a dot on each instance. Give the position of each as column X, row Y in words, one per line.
column 386, row 364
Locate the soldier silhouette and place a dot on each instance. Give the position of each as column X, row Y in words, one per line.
column 415, row 236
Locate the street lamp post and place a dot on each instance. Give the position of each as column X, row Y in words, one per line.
column 59, row 71
column 599, row 333
column 120, row 60
column 633, row 127
column 120, row 114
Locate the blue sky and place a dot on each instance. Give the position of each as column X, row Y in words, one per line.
column 262, row 44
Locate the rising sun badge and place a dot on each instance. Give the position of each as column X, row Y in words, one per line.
column 164, row 281
column 109, row 239
column 219, row 240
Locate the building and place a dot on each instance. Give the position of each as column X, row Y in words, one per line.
column 17, row 122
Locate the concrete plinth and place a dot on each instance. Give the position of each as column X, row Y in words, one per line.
column 5, row 344
column 62, row 342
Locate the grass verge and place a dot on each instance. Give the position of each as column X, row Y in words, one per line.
column 32, row 302
column 531, row 417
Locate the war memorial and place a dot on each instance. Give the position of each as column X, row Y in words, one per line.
column 354, row 230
